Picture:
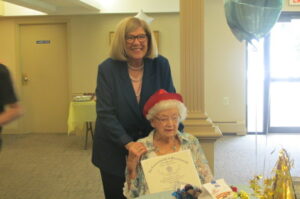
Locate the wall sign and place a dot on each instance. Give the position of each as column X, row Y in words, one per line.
column 42, row 42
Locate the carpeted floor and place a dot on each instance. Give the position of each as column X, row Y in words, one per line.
column 47, row 166
column 239, row 158
column 55, row 166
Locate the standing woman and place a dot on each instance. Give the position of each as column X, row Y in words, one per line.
column 125, row 81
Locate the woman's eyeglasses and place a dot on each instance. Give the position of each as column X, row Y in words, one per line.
column 131, row 38
column 165, row 120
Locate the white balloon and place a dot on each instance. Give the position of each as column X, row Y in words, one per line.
column 143, row 16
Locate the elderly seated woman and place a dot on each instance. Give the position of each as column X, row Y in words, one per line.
column 164, row 111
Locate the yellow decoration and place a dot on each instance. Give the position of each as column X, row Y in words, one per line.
column 241, row 195
column 283, row 185
column 244, row 195
column 278, row 187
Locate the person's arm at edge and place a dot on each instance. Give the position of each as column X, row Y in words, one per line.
column 12, row 112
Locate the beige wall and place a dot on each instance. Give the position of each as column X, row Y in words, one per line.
column 88, row 40
column 287, row 7
column 225, row 70
column 90, row 45
column 1, row 8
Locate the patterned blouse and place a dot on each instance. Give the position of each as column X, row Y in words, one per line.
column 138, row 186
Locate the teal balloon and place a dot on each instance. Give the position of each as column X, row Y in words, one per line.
column 252, row 19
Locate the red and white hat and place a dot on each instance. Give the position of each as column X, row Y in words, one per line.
column 159, row 96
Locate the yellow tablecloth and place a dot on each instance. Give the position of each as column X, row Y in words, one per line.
column 80, row 113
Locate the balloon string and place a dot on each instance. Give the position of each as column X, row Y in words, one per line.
column 255, row 124
column 267, row 122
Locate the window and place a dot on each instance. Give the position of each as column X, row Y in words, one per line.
column 273, row 79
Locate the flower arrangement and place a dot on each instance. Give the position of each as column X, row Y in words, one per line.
column 188, row 192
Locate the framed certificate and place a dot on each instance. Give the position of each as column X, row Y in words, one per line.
column 169, row 172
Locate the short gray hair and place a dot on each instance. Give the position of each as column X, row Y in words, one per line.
column 129, row 24
column 167, row 104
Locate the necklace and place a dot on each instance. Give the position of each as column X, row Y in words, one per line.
column 134, row 68
column 173, row 147
column 156, row 148
column 139, row 79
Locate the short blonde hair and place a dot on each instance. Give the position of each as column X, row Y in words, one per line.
column 167, row 104
column 129, row 24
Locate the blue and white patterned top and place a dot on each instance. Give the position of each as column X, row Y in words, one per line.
column 138, row 186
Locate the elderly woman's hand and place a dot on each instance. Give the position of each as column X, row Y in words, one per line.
column 135, row 151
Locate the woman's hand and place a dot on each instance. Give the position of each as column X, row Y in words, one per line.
column 135, row 151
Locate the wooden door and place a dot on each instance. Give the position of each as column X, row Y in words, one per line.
column 43, row 54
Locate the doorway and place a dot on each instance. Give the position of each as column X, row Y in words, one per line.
column 43, row 61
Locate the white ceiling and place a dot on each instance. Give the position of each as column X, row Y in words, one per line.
column 65, row 7
column 55, row 7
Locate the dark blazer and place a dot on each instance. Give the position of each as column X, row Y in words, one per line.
column 119, row 115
